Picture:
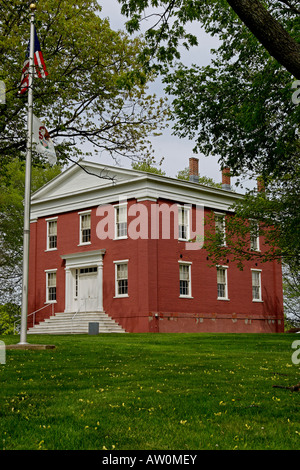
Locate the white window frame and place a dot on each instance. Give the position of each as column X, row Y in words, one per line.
column 189, row 264
column 81, row 214
column 223, row 230
column 259, row 271
column 225, row 268
column 122, row 237
column 51, row 271
column 254, row 227
column 117, row 263
column 187, row 211
column 52, row 219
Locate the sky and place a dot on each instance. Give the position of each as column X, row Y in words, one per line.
column 176, row 151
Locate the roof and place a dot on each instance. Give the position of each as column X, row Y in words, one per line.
column 77, row 189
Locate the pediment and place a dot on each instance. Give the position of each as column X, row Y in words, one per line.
column 79, row 179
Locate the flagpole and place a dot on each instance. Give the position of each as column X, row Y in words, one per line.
column 26, row 233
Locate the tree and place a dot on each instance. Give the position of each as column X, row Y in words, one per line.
column 9, row 314
column 239, row 108
column 95, row 93
column 149, row 165
column 11, row 223
column 261, row 18
column 184, row 175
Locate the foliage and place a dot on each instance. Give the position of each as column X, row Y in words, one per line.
column 148, row 165
column 184, row 175
column 9, row 313
column 12, row 181
column 238, row 108
column 95, row 93
column 276, row 212
column 130, row 392
column 291, row 291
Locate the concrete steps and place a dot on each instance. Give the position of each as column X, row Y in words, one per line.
column 76, row 323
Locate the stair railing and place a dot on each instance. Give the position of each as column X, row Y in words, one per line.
column 33, row 313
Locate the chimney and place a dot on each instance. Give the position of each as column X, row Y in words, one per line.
column 226, row 179
column 260, row 184
column 194, row 170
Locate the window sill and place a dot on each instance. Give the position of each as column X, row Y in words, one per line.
column 50, row 249
column 121, row 296
column 257, row 301
column 50, row 302
column 84, row 244
column 186, row 297
column 121, row 238
column 223, row 298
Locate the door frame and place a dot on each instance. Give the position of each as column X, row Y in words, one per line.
column 75, row 261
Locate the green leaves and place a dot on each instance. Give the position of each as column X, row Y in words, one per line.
column 95, row 92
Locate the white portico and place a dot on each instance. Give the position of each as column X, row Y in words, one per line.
column 84, row 281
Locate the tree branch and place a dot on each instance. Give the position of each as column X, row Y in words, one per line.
column 270, row 33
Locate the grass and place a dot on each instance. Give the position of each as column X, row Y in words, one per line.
column 150, row 392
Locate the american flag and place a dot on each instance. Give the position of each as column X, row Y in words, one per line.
column 40, row 67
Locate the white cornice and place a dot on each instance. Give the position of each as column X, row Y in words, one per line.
column 139, row 185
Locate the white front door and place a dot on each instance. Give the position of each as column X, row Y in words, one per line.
column 84, row 281
column 88, row 290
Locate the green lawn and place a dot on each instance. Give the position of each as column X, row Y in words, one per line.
column 151, row 392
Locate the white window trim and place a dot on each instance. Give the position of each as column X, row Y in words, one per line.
column 187, row 263
column 124, row 237
column 187, row 209
column 47, row 271
column 81, row 243
column 122, row 261
column 222, row 214
column 226, row 285
column 260, row 285
column 52, row 219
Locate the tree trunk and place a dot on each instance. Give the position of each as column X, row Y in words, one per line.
column 270, row 33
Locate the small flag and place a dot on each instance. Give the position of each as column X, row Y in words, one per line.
column 41, row 138
column 40, row 66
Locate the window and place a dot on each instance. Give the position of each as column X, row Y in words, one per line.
column 256, row 285
column 121, row 221
column 88, row 270
column 220, row 227
column 183, row 223
column 50, row 286
column 121, row 273
column 52, row 234
column 254, row 236
column 185, row 280
column 222, row 282
column 85, row 228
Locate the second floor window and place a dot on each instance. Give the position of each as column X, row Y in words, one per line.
column 254, row 236
column 121, row 221
column 51, row 234
column 220, row 228
column 183, row 223
column 85, row 228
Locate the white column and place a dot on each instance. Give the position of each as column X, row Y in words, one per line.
column 100, row 284
column 68, row 290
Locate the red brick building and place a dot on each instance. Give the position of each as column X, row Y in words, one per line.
column 123, row 247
